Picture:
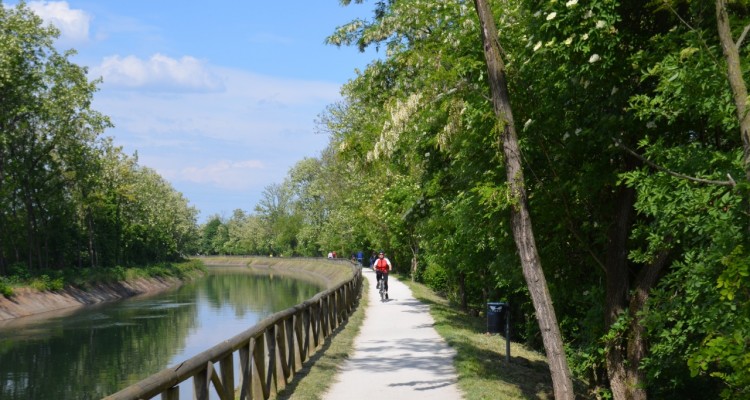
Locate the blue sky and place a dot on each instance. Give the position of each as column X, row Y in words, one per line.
column 219, row 98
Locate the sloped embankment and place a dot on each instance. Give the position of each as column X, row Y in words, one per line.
column 26, row 302
column 326, row 273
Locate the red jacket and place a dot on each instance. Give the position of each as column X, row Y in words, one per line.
column 381, row 264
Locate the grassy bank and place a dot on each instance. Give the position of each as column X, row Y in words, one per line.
column 81, row 277
column 480, row 362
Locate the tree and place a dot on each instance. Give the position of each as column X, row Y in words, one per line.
column 520, row 218
column 47, row 129
column 281, row 225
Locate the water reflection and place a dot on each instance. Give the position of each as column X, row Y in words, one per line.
column 90, row 353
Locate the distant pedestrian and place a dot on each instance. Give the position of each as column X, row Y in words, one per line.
column 373, row 257
column 330, row 255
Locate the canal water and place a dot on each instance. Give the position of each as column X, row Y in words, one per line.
column 96, row 351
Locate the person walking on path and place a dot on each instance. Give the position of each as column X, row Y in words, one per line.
column 397, row 355
column 382, row 268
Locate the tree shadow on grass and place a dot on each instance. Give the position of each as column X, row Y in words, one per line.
column 464, row 333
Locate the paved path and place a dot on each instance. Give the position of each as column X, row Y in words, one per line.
column 398, row 354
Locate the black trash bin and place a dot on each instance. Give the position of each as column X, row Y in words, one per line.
column 496, row 317
column 496, row 314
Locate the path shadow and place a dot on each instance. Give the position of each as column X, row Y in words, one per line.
column 430, row 385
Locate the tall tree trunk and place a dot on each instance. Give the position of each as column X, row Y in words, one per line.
column 118, row 233
column 520, row 218
column 625, row 380
column 31, row 230
column 462, row 291
column 626, row 351
column 414, row 260
column 93, row 262
column 736, row 81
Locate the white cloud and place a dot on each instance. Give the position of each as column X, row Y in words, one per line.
column 221, row 148
column 223, row 173
column 160, row 72
column 73, row 24
column 252, row 110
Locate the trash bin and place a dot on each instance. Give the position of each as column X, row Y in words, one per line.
column 496, row 314
column 495, row 317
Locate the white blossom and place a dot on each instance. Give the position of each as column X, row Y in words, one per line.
column 400, row 115
column 551, row 16
column 588, row 14
column 537, row 45
column 650, row 124
column 594, row 58
column 614, row 90
column 568, row 41
column 585, row 36
column 527, row 124
column 600, row 24
column 571, row 3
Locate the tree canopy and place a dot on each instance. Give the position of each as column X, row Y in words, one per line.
column 634, row 149
column 69, row 198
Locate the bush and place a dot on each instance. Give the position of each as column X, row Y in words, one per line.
column 5, row 288
column 19, row 273
column 436, row 277
column 44, row 282
column 119, row 273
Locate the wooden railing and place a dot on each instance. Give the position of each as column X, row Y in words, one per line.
column 269, row 353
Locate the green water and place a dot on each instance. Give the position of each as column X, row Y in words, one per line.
column 97, row 351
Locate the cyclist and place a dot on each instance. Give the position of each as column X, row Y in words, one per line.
column 382, row 265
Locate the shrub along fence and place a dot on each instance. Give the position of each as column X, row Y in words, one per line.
column 269, row 353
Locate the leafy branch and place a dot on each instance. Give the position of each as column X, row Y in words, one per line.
column 652, row 164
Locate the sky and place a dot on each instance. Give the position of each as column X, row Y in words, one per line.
column 219, row 98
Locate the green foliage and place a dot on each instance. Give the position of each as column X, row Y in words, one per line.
column 5, row 288
column 725, row 352
column 436, row 277
column 45, row 283
column 69, row 196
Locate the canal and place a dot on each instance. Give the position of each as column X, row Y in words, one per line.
column 96, row 351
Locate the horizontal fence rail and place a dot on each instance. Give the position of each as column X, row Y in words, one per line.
column 269, row 353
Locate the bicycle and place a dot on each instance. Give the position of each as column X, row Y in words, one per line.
column 383, row 291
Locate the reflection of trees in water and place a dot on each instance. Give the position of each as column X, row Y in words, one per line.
column 89, row 356
column 93, row 353
column 264, row 294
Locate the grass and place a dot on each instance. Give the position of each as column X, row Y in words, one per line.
column 480, row 362
column 53, row 280
column 318, row 373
